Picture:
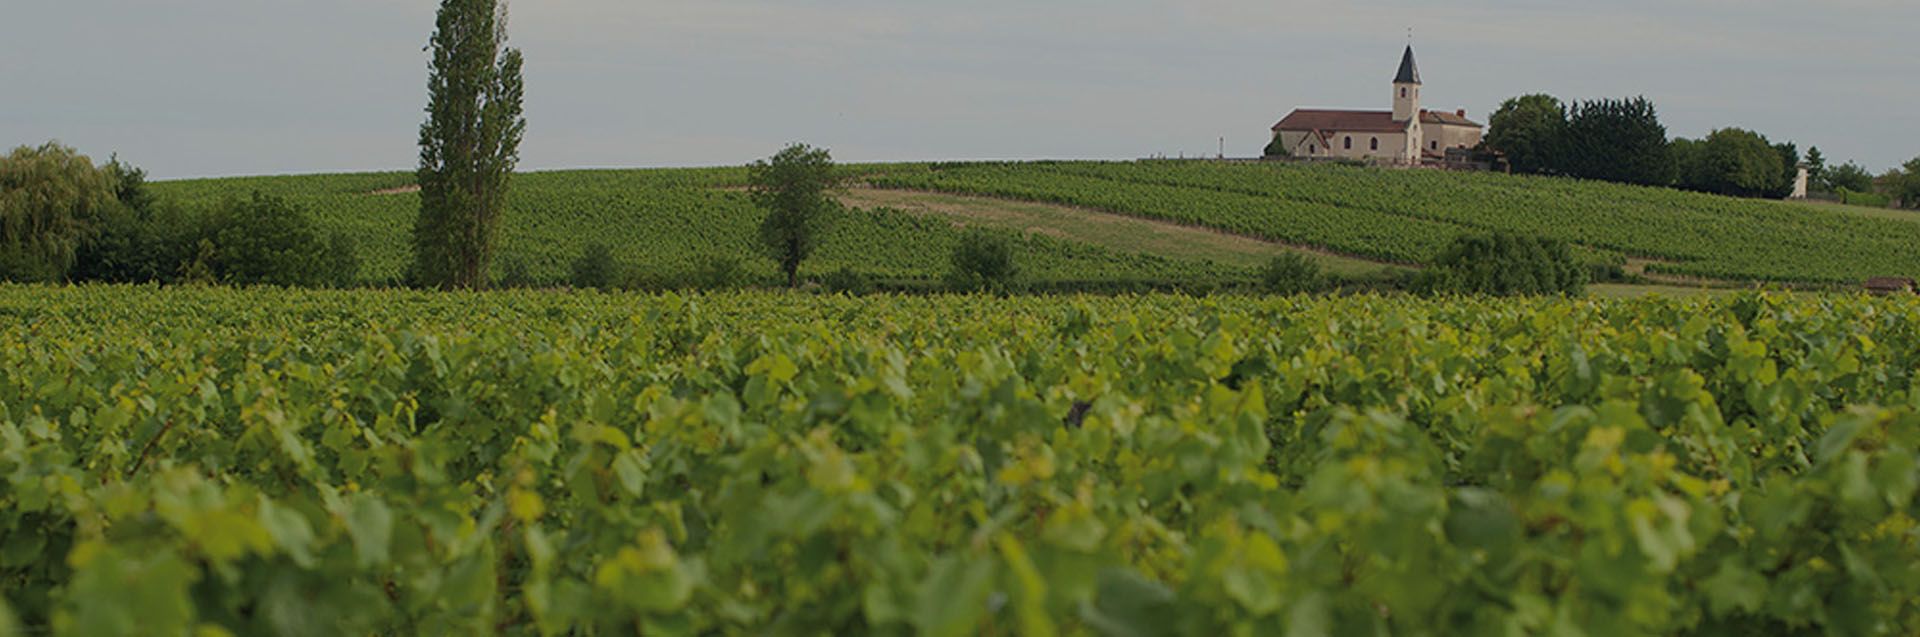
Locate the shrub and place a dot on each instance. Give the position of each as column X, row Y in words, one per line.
column 140, row 241
column 1606, row 273
column 719, row 272
column 848, row 281
column 266, row 240
column 1504, row 265
column 983, row 261
column 1291, row 273
column 1274, row 148
column 1869, row 199
column 342, row 262
column 596, row 268
column 514, row 273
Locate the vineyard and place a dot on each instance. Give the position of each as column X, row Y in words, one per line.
column 214, row 461
column 1409, row 216
column 668, row 223
column 673, row 221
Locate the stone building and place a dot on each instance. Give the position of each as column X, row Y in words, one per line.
column 1407, row 135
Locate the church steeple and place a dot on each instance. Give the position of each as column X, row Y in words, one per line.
column 1406, row 89
column 1409, row 72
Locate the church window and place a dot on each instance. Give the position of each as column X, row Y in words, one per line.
column 1403, row 92
column 1434, row 145
column 1349, row 142
column 1311, row 149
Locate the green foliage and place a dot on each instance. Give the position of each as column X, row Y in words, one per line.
column 514, row 273
column 1817, row 171
column 1291, row 273
column 140, row 245
column 1505, row 265
column 1906, row 184
column 1274, row 148
column 394, row 462
column 468, row 145
column 265, row 240
column 984, row 261
column 848, row 281
column 1789, row 155
column 1531, row 130
column 1849, row 176
column 1617, row 140
column 597, row 268
column 1869, row 199
column 53, row 201
column 795, row 188
column 719, row 272
column 1733, row 162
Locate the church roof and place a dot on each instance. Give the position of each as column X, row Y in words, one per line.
column 1307, row 119
column 1409, row 72
column 1345, row 121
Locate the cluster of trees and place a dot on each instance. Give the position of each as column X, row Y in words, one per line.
column 1623, row 141
column 1618, row 140
column 63, row 218
column 1901, row 184
column 1736, row 162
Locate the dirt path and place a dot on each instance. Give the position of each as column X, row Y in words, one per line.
column 397, row 191
column 1117, row 232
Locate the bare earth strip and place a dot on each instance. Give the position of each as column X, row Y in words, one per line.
column 1116, row 232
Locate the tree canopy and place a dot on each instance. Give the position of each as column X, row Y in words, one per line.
column 52, row 203
column 1618, row 140
column 795, row 188
column 469, row 144
column 1529, row 130
column 1731, row 161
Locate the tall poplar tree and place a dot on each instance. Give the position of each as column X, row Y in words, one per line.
column 468, row 145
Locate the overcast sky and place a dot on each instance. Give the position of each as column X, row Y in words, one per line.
column 238, row 87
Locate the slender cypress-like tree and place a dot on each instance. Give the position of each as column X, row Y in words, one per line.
column 468, row 145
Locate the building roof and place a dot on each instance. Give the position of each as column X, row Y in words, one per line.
column 1345, row 121
column 1409, row 72
column 1307, row 119
column 1450, row 119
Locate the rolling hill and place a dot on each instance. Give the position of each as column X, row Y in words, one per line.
column 1126, row 222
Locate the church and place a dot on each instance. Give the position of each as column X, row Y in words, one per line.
column 1408, row 135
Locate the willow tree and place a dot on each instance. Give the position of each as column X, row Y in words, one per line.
column 52, row 200
column 468, row 145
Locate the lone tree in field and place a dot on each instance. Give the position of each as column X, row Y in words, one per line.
column 469, row 144
column 795, row 187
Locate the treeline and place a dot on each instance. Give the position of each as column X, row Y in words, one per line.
column 65, row 219
column 1623, row 141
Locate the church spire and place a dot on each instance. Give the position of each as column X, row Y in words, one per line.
column 1409, row 72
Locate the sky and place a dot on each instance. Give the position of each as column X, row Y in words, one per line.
column 188, row 88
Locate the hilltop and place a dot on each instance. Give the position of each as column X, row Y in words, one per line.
column 1118, row 222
